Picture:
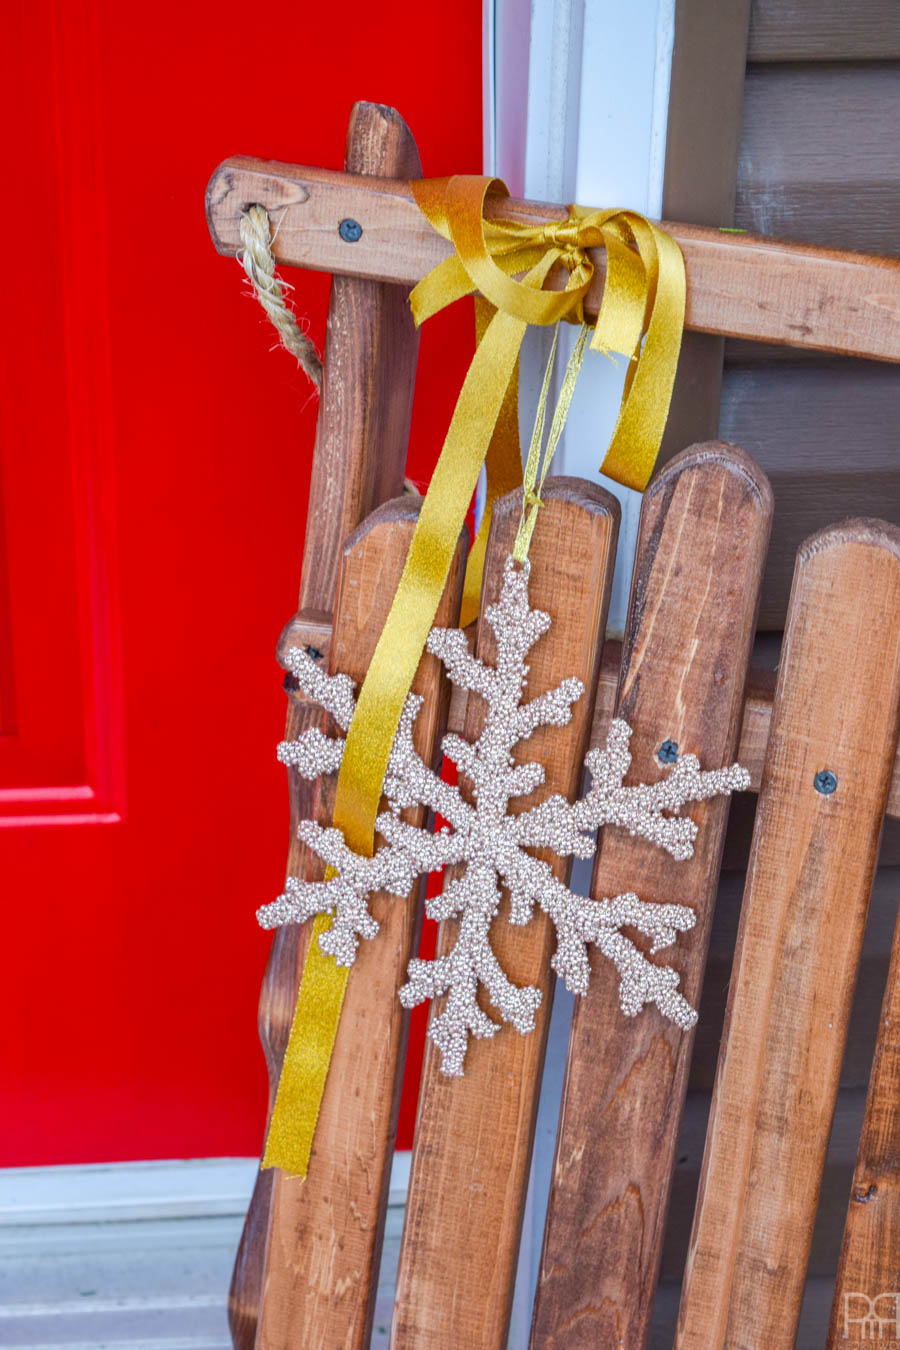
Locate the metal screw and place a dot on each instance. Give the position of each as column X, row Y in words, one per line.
column 668, row 752
column 825, row 782
column 314, row 653
column 350, row 231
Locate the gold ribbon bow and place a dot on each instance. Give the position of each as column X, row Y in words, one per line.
column 641, row 316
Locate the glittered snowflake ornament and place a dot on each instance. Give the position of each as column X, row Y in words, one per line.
column 489, row 847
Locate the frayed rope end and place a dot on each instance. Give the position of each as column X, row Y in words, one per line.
column 259, row 264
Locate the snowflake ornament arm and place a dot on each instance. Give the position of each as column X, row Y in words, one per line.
column 493, row 845
column 580, row 921
column 393, row 868
column 639, row 809
column 498, row 854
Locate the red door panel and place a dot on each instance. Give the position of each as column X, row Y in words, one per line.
column 154, row 460
column 61, row 747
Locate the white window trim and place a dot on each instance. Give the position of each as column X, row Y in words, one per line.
column 586, row 122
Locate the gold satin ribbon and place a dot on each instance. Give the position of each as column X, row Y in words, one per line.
column 537, row 466
column 641, row 316
column 503, row 469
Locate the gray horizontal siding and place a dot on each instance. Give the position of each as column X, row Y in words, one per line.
column 819, row 161
column 824, row 30
column 819, row 155
column 828, row 435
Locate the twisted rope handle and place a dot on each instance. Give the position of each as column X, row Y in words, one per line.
column 257, row 261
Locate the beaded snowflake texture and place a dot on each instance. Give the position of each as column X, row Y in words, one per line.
column 491, row 843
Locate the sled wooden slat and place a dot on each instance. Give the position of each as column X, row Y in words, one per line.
column 868, row 1279
column 757, row 714
column 474, row 1134
column 360, row 454
column 704, row 529
column 325, row 1232
column 738, row 285
column 811, row 865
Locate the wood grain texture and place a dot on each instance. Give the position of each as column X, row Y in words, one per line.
column 870, row 1255
column 814, row 1323
column 738, row 286
column 824, row 30
column 819, row 155
column 325, row 1232
column 832, row 1201
column 474, row 1134
column 740, row 833
column 860, row 1043
column 370, row 358
column 704, row 528
column 371, row 349
column 837, row 704
column 841, row 1157
column 842, row 1148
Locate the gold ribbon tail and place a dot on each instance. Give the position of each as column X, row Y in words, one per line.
column 507, row 264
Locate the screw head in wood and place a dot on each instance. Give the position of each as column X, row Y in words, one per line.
column 350, row 231
column 825, row 782
column 667, row 752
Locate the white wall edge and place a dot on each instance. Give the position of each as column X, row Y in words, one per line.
column 120, row 1192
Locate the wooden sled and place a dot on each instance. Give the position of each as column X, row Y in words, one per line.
column 821, row 747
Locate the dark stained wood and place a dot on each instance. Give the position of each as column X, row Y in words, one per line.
column 704, row 528
column 738, row 286
column 474, row 1134
column 708, row 65
column 309, row 629
column 371, row 349
column 742, row 352
column 819, row 155
column 824, row 30
column 870, row 1255
column 837, row 706
column 324, row 1238
column 360, row 452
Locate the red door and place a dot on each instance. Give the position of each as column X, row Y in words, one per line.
column 153, row 472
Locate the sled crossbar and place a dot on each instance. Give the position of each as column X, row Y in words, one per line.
column 738, row 285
